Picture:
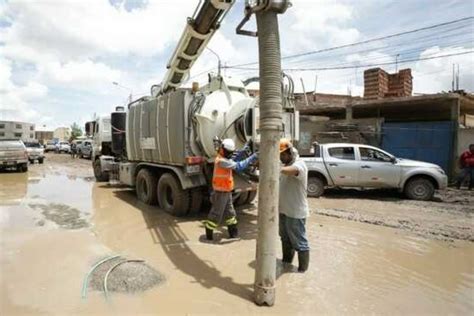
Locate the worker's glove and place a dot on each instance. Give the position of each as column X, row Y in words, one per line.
column 253, row 158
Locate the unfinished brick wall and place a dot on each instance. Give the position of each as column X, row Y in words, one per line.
column 380, row 84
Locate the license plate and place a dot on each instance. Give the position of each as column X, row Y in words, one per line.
column 193, row 168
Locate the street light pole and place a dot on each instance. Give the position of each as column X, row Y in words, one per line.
column 127, row 88
column 218, row 61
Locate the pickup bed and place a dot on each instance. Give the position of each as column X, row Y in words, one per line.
column 363, row 166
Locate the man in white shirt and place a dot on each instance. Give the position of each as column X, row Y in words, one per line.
column 293, row 206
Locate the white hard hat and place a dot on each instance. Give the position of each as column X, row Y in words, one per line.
column 228, row 144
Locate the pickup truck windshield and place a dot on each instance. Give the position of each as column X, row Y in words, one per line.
column 33, row 145
column 10, row 144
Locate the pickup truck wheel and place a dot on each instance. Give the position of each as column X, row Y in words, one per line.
column 99, row 175
column 315, row 187
column 172, row 198
column 24, row 167
column 421, row 189
column 146, row 186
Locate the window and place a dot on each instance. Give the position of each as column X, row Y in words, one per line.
column 32, row 128
column 18, row 135
column 346, row 153
column 32, row 136
column 18, row 126
column 2, row 126
column 370, row 154
column 2, row 134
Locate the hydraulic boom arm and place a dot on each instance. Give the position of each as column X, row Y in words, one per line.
column 199, row 30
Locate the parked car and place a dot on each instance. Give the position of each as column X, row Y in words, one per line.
column 363, row 166
column 50, row 146
column 13, row 154
column 35, row 152
column 63, row 147
column 86, row 149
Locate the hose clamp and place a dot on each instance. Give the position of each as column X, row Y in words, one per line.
column 254, row 6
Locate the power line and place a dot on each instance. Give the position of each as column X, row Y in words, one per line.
column 366, row 41
column 361, row 66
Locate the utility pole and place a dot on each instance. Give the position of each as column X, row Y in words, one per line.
column 271, row 125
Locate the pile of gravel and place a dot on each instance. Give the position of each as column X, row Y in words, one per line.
column 129, row 277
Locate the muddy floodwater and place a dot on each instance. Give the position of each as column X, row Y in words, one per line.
column 370, row 254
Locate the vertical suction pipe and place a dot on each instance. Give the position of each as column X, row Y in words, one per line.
column 271, row 130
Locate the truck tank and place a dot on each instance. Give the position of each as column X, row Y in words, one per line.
column 182, row 123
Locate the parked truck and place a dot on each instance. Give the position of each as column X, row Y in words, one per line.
column 99, row 130
column 164, row 144
column 363, row 166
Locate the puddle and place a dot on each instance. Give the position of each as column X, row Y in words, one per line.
column 49, row 200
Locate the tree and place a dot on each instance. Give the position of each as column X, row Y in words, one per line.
column 76, row 131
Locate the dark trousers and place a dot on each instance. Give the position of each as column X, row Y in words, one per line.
column 293, row 232
column 465, row 172
column 222, row 210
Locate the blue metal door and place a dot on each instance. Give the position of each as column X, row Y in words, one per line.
column 424, row 141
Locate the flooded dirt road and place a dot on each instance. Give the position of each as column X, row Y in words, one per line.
column 55, row 222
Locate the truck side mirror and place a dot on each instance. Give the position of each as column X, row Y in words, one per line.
column 393, row 160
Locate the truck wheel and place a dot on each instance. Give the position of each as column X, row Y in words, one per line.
column 196, row 201
column 251, row 197
column 315, row 187
column 172, row 198
column 242, row 199
column 146, row 186
column 24, row 167
column 421, row 189
column 99, row 175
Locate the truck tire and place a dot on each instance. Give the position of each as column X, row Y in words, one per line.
column 242, row 198
column 251, row 197
column 421, row 189
column 99, row 175
column 146, row 186
column 197, row 198
column 172, row 198
column 24, row 167
column 315, row 187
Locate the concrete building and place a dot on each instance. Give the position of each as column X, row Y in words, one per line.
column 17, row 130
column 62, row 133
column 433, row 127
column 43, row 134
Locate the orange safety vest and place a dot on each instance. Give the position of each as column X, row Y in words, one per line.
column 222, row 180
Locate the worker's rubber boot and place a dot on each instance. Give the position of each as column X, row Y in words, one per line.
column 233, row 231
column 288, row 253
column 209, row 234
column 303, row 260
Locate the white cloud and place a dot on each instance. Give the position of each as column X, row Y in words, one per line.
column 78, row 75
column 62, row 30
column 435, row 75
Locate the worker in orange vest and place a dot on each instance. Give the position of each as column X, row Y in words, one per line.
column 223, row 185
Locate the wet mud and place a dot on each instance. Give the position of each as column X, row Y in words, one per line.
column 371, row 253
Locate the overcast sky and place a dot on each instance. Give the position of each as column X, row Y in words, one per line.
column 58, row 58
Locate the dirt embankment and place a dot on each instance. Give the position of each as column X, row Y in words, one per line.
column 449, row 216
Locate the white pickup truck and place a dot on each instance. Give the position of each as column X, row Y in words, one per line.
column 363, row 166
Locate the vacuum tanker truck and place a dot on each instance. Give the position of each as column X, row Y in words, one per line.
column 164, row 144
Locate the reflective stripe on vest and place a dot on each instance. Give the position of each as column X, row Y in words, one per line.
column 222, row 180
